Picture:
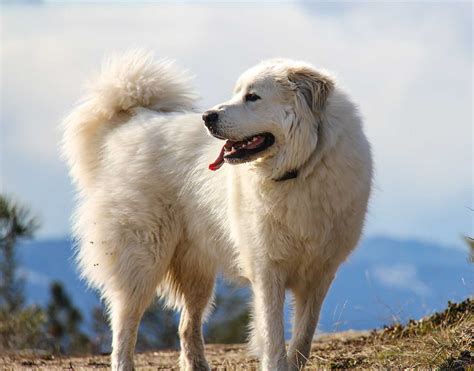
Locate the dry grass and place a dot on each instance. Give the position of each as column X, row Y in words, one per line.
column 442, row 341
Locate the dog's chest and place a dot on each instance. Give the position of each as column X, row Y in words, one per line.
column 284, row 222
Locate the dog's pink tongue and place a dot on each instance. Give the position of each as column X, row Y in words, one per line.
column 220, row 159
column 218, row 162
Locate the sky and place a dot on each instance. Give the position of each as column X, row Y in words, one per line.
column 408, row 65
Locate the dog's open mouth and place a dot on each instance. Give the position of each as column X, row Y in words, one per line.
column 243, row 150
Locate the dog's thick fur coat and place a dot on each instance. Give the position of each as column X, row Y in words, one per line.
column 152, row 218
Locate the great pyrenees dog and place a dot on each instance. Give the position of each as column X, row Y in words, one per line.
column 275, row 196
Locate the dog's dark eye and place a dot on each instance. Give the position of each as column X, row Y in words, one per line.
column 251, row 97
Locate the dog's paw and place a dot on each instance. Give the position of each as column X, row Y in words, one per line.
column 193, row 364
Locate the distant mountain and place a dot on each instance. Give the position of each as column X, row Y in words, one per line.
column 388, row 280
column 44, row 261
column 385, row 280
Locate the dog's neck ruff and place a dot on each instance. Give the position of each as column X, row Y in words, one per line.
column 288, row 175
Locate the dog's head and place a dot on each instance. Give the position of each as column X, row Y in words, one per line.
column 274, row 116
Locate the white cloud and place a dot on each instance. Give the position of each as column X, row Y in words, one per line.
column 407, row 65
column 403, row 277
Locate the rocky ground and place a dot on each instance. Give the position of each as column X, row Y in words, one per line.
column 443, row 341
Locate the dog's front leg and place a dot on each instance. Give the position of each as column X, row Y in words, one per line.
column 308, row 298
column 269, row 298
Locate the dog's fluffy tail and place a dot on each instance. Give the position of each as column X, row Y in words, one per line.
column 130, row 80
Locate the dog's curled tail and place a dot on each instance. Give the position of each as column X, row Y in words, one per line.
column 126, row 81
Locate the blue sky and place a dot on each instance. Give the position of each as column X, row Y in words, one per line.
column 408, row 66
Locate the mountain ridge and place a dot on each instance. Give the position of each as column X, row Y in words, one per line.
column 385, row 280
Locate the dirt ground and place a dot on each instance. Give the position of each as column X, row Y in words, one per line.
column 443, row 341
column 220, row 357
column 339, row 351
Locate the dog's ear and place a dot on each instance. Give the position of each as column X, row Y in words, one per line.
column 312, row 86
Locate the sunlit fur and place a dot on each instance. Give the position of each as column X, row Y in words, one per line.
column 151, row 218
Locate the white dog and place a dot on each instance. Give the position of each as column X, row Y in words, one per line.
column 283, row 211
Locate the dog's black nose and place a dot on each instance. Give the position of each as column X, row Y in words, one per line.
column 210, row 118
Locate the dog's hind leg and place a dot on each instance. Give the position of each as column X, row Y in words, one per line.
column 137, row 270
column 127, row 305
column 308, row 298
column 126, row 315
column 190, row 325
column 192, row 279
